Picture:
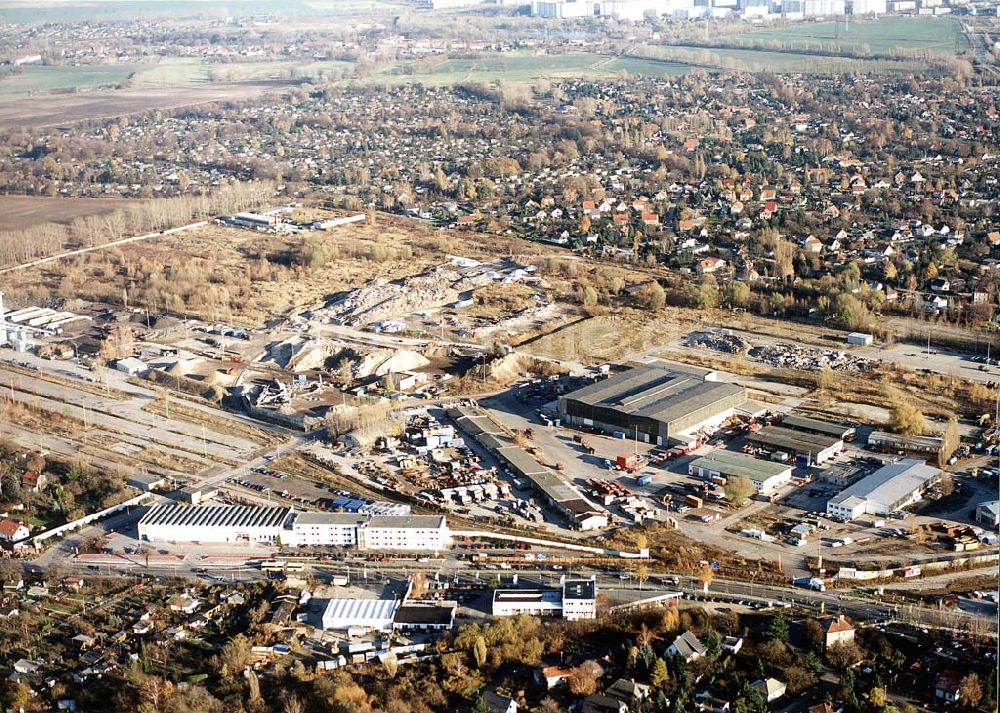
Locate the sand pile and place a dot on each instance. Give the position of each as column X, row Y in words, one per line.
column 299, row 354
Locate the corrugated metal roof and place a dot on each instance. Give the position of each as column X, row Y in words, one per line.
column 890, row 483
column 798, row 441
column 371, row 613
column 228, row 516
column 656, row 391
column 814, row 425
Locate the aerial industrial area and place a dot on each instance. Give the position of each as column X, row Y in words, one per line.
column 614, row 356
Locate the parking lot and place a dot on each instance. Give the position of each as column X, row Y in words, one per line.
column 287, row 489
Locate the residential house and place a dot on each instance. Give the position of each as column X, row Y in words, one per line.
column 34, row 481
column 838, row 630
column 687, row 646
column 552, row 676
column 946, row 686
column 937, row 303
column 826, row 707
column 708, row 703
column 770, row 688
column 13, row 531
column 600, row 703
column 83, row 641
column 183, row 603
column 812, row 244
column 628, row 691
column 495, row 703
column 711, row 264
column 940, row 284
column 732, row 644
column 27, row 666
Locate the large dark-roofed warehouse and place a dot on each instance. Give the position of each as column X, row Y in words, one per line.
column 662, row 401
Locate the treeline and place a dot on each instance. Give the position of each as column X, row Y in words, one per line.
column 19, row 246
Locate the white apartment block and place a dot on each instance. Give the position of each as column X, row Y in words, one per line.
column 413, row 532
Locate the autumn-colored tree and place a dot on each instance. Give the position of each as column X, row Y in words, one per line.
column 739, row 489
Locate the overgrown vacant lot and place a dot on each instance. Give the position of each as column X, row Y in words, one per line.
column 219, row 272
column 894, row 35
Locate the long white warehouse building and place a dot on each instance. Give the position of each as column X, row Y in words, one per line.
column 888, row 489
column 283, row 526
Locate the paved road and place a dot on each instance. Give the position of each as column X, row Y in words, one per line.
column 721, row 592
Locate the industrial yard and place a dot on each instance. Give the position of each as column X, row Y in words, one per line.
column 475, row 356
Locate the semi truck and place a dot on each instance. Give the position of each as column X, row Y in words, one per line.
column 814, row 583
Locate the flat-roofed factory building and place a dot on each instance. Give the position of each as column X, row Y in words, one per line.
column 282, row 525
column 576, row 600
column 655, row 402
column 767, row 476
column 889, row 489
column 817, row 447
column 536, row 602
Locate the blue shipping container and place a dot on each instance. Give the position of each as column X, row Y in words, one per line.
column 644, row 479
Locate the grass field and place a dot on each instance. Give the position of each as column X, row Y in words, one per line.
column 521, row 68
column 891, row 35
column 172, row 72
column 168, row 73
column 45, row 79
column 757, row 60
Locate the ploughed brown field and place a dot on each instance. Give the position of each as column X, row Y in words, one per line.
column 59, row 109
column 18, row 212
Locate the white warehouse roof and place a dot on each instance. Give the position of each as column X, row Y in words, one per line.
column 368, row 613
column 231, row 516
column 889, row 484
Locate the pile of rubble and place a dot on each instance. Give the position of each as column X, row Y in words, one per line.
column 719, row 341
column 383, row 299
column 792, row 356
column 782, row 356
